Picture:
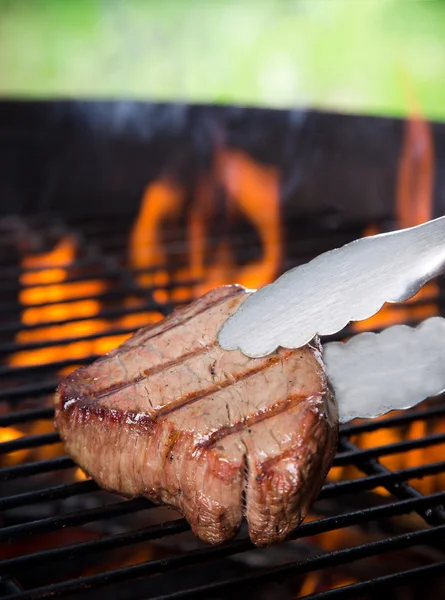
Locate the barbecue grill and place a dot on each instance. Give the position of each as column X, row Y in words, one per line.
column 69, row 293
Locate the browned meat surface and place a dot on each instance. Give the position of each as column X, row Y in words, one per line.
column 171, row 416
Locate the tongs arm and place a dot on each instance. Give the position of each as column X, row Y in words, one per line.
column 348, row 284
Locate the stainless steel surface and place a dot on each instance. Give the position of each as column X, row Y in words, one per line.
column 374, row 373
column 347, row 284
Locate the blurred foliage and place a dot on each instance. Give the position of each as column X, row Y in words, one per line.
column 353, row 55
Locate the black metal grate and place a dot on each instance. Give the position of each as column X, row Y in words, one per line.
column 62, row 537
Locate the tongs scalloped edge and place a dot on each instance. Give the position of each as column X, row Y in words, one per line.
column 396, row 369
column 347, row 284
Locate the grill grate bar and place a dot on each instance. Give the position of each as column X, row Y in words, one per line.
column 13, row 347
column 16, row 272
column 36, row 468
column 180, row 525
column 78, row 518
column 329, row 490
column 383, row 478
column 25, row 391
column 105, row 274
column 325, row 560
column 25, row 416
column 8, row 585
column 107, row 543
column 111, row 313
column 20, row 372
column 109, row 296
column 105, row 266
column 352, row 456
column 399, row 489
column 29, row 441
column 378, row 583
column 57, row 492
column 308, row 245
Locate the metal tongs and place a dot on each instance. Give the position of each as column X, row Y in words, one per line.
column 348, row 284
column 372, row 373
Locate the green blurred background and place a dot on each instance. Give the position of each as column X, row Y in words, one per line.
column 348, row 55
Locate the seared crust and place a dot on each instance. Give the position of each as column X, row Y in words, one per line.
column 171, row 416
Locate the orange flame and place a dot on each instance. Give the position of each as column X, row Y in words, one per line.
column 35, row 293
column 17, row 457
column 414, row 205
column 47, row 296
column 252, row 190
column 7, row 434
column 160, row 200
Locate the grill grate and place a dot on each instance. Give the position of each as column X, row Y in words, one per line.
column 40, row 495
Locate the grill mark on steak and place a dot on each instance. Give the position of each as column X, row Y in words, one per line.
column 94, row 408
column 83, row 414
column 171, row 321
column 251, row 420
column 230, row 381
column 118, row 387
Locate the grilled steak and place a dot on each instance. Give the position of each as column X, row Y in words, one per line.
column 171, row 416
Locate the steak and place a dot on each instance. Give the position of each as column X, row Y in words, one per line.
column 171, row 416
